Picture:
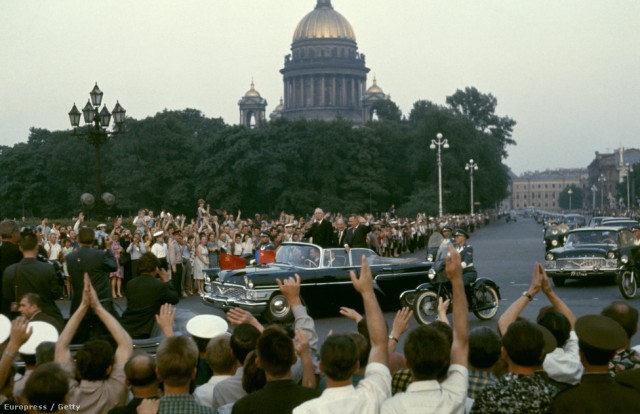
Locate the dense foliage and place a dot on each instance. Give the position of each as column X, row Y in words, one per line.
column 170, row 160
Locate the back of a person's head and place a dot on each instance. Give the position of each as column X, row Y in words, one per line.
column 243, row 340
column 86, row 236
column 219, row 355
column 339, row 357
column 626, row 315
column 557, row 324
column 140, row 370
column 484, row 347
column 253, row 378
column 45, row 352
column 428, row 353
column 595, row 356
column 445, row 329
column 364, row 348
column 524, row 343
column 275, row 351
column 148, row 263
column 176, row 360
column 47, row 387
column 28, row 241
column 93, row 360
column 8, row 228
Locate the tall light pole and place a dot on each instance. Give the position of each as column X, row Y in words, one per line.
column 601, row 180
column 628, row 169
column 471, row 167
column 570, row 192
column 95, row 132
column 440, row 143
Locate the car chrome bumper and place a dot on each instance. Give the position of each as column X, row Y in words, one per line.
column 226, row 303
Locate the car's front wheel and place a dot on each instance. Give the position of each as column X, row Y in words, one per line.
column 278, row 309
column 628, row 284
column 487, row 302
column 426, row 307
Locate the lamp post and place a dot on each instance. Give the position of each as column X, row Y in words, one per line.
column 601, row 180
column 471, row 167
column 440, row 143
column 570, row 192
column 95, row 132
column 628, row 169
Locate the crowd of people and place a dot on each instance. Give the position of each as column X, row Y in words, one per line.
column 557, row 363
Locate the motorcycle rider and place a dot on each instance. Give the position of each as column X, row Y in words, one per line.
column 469, row 274
column 636, row 235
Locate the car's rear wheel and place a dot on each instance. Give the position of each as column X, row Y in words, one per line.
column 487, row 302
column 278, row 309
column 558, row 281
column 426, row 307
column 628, row 284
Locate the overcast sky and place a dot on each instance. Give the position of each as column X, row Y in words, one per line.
column 567, row 71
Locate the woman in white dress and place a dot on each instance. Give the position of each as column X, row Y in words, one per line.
column 201, row 263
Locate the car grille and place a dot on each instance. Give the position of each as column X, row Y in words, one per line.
column 580, row 263
column 234, row 292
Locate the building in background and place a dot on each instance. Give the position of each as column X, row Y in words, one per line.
column 606, row 172
column 253, row 108
column 541, row 190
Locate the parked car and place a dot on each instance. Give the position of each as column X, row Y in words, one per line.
column 575, row 221
column 591, row 251
column 325, row 281
column 619, row 222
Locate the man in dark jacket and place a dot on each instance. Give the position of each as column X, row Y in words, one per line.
column 357, row 232
column 9, row 251
column 321, row 231
column 145, row 295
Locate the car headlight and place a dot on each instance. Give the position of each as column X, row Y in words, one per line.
column 554, row 242
column 554, row 232
column 430, row 258
column 549, row 256
column 611, row 255
column 624, row 258
column 257, row 294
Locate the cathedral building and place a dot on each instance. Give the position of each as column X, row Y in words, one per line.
column 324, row 76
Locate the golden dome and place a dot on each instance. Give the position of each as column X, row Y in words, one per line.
column 252, row 93
column 324, row 23
column 374, row 88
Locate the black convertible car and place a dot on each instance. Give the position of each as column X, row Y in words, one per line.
column 325, row 281
column 595, row 251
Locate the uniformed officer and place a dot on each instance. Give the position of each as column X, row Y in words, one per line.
column 636, row 235
column 469, row 274
column 265, row 242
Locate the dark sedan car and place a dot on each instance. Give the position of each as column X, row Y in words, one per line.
column 594, row 251
column 325, row 281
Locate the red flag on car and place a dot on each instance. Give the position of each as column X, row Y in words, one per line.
column 267, row 256
column 231, row 262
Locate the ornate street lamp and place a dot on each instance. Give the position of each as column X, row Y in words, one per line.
column 440, row 143
column 471, row 167
column 96, row 133
column 601, row 180
column 570, row 192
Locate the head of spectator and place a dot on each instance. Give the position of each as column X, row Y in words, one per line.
column 220, row 357
column 556, row 323
column 29, row 244
column 94, row 360
column 484, row 348
column 625, row 314
column 428, row 353
column 243, row 341
column 10, row 231
column 176, row 361
column 45, row 352
column 140, row 371
column 148, row 264
column 30, row 305
column 339, row 358
column 204, row 327
column 599, row 337
column 47, row 388
column 86, row 236
column 253, row 376
column 364, row 348
column 275, row 352
column 523, row 346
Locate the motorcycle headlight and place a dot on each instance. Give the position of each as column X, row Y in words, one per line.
column 611, row 255
column 624, row 259
column 430, row 258
column 554, row 232
column 549, row 256
column 554, row 242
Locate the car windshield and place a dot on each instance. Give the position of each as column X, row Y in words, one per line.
column 299, row 255
column 592, row 237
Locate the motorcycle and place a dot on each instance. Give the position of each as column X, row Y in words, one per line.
column 627, row 277
column 484, row 301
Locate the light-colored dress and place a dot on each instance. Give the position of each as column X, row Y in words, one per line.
column 199, row 265
column 115, row 249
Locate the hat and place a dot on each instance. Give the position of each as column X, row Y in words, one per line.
column 264, row 234
column 5, row 328
column 289, row 225
column 445, row 228
column 206, row 326
column 158, row 233
column 460, row 232
column 101, row 225
column 601, row 332
column 550, row 343
column 40, row 332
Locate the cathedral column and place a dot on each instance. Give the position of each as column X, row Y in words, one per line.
column 333, row 90
column 322, row 101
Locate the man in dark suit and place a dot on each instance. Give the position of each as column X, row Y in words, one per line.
column 33, row 276
column 9, row 251
column 145, row 295
column 321, row 230
column 357, row 232
column 340, row 235
column 98, row 264
column 30, row 308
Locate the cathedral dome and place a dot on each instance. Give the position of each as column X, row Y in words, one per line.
column 252, row 93
column 374, row 89
column 324, row 23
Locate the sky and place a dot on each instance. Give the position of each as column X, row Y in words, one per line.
column 567, row 71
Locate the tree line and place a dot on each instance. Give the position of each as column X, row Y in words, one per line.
column 170, row 160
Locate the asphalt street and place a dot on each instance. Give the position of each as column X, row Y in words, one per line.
column 504, row 252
